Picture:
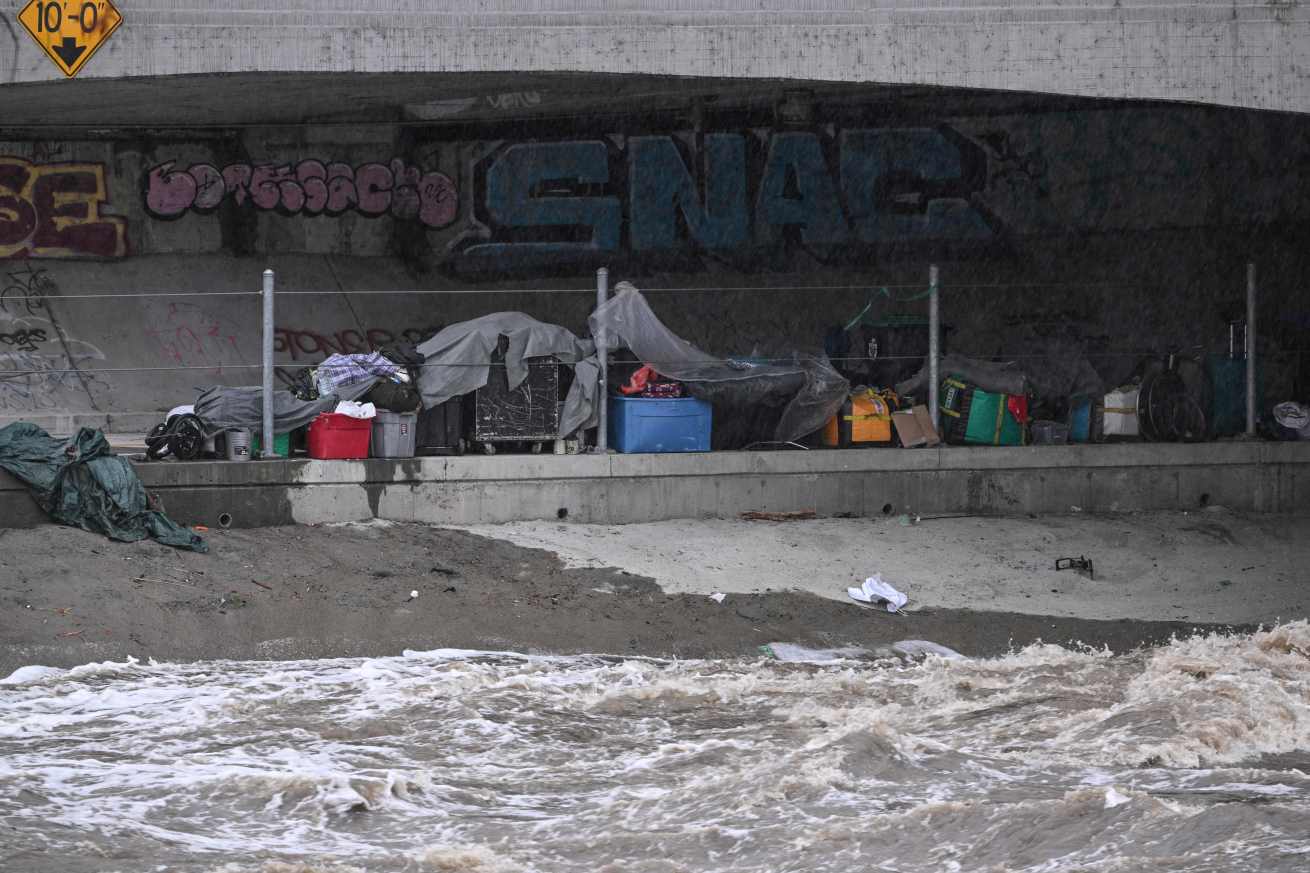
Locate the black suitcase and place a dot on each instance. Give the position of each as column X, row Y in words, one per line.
column 441, row 429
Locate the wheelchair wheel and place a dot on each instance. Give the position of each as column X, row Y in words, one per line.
column 187, row 439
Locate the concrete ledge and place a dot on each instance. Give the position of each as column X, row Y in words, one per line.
column 1251, row 476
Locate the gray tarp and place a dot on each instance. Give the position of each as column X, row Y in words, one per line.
column 993, row 376
column 222, row 408
column 457, row 361
column 1055, row 372
column 626, row 321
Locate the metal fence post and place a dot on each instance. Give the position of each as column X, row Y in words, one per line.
column 603, row 358
column 934, row 348
column 266, row 439
column 1250, row 349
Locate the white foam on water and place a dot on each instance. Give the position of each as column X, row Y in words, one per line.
column 925, row 647
column 1113, row 798
column 465, row 859
column 32, row 675
column 1045, row 759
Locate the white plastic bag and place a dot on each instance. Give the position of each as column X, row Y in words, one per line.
column 356, row 410
column 874, row 590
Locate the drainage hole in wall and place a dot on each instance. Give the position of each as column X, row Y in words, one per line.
column 887, row 509
column 225, row 520
column 1204, row 501
column 562, row 513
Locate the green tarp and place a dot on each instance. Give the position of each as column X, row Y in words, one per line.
column 81, row 482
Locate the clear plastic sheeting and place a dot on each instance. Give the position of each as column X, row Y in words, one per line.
column 816, row 390
column 457, row 361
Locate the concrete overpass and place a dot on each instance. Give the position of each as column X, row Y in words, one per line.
column 1227, row 52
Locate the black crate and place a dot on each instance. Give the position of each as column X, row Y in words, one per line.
column 529, row 413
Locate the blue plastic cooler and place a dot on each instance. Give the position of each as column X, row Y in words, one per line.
column 659, row 424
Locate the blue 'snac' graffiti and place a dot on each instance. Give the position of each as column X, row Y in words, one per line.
column 542, row 203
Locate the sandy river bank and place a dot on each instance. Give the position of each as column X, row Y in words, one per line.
column 69, row 597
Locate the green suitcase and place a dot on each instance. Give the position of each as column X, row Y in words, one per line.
column 973, row 416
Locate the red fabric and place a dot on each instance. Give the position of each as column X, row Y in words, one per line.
column 647, row 383
column 1018, row 406
column 639, row 379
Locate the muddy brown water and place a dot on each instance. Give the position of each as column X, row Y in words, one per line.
column 1192, row 756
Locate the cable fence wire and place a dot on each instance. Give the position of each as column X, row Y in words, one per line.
column 920, row 291
column 917, row 291
column 742, row 362
column 118, row 295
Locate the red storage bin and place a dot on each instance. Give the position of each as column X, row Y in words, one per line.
column 339, row 437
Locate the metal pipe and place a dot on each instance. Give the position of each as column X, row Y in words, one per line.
column 603, row 357
column 934, row 347
column 1250, row 349
column 266, row 439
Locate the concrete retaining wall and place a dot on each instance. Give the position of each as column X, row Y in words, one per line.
column 1116, row 230
column 620, row 489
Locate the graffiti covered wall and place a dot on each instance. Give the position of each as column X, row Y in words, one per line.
column 842, row 193
column 730, row 195
column 1170, row 197
column 43, row 367
column 53, row 210
column 310, row 188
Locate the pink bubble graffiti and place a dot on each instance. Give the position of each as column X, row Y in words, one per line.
column 311, row 187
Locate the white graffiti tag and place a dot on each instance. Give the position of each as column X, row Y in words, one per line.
column 36, row 374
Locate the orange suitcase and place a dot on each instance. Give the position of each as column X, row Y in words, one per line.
column 865, row 419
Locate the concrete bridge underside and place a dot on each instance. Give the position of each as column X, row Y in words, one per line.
column 1247, row 54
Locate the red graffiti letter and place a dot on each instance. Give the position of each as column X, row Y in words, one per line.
column 373, row 183
column 266, row 185
column 341, row 188
column 17, row 215
column 293, row 196
column 312, row 176
column 236, row 178
column 282, row 341
column 404, row 193
column 210, row 187
column 168, row 193
column 438, row 200
column 67, row 198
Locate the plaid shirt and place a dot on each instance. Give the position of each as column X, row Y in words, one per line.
column 341, row 370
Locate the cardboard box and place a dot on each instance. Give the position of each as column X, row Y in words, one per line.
column 914, row 427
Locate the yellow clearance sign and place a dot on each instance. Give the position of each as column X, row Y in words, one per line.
column 70, row 31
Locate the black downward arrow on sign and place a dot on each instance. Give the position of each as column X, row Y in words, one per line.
column 69, row 52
